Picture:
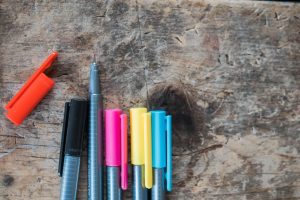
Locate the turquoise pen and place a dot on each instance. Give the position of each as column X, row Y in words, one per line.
column 161, row 126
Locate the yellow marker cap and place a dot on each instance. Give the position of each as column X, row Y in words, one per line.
column 147, row 150
column 137, row 135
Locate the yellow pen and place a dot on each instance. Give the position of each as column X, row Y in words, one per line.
column 141, row 149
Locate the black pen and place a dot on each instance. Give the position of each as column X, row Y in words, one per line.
column 71, row 147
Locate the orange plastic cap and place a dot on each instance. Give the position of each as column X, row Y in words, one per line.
column 31, row 93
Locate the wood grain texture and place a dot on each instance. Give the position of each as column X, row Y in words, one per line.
column 228, row 71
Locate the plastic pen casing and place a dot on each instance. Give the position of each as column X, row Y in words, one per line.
column 161, row 126
column 140, row 127
column 71, row 147
column 95, row 147
column 31, row 93
column 116, row 152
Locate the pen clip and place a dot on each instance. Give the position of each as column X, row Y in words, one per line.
column 124, row 152
column 169, row 153
column 147, row 150
column 63, row 139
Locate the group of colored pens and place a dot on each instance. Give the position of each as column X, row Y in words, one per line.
column 151, row 141
column 151, row 148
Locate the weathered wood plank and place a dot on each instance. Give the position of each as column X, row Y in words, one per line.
column 228, row 71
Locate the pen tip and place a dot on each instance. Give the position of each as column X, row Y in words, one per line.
column 94, row 65
column 94, row 58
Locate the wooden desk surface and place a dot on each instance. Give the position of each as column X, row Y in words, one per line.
column 228, row 71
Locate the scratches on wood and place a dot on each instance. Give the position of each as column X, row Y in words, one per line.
column 226, row 70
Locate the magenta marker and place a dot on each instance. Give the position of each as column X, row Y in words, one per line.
column 116, row 153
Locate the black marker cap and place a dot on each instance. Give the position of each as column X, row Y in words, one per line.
column 74, row 126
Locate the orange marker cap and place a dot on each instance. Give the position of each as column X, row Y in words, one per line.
column 32, row 92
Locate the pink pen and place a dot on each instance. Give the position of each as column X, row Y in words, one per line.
column 116, row 152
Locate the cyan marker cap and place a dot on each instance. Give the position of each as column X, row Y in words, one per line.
column 161, row 126
column 159, row 144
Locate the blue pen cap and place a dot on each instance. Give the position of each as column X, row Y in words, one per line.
column 159, row 145
column 161, row 126
column 169, row 170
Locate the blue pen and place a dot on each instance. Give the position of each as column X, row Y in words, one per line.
column 95, row 154
column 71, row 147
column 161, row 126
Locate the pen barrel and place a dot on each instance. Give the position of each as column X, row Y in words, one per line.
column 70, row 178
column 95, row 164
column 158, row 191
column 113, row 183
column 139, row 191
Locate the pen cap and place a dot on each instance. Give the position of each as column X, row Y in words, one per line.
column 76, row 127
column 169, row 169
column 73, row 128
column 124, row 152
column 159, row 146
column 148, row 150
column 116, row 152
column 31, row 93
column 162, row 144
column 137, row 135
column 113, row 137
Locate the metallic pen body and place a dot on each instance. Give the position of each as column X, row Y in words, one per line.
column 158, row 191
column 70, row 178
column 113, row 183
column 139, row 191
column 95, row 168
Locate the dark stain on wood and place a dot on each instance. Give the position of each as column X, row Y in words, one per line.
column 7, row 180
column 83, row 42
column 189, row 120
column 242, row 144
